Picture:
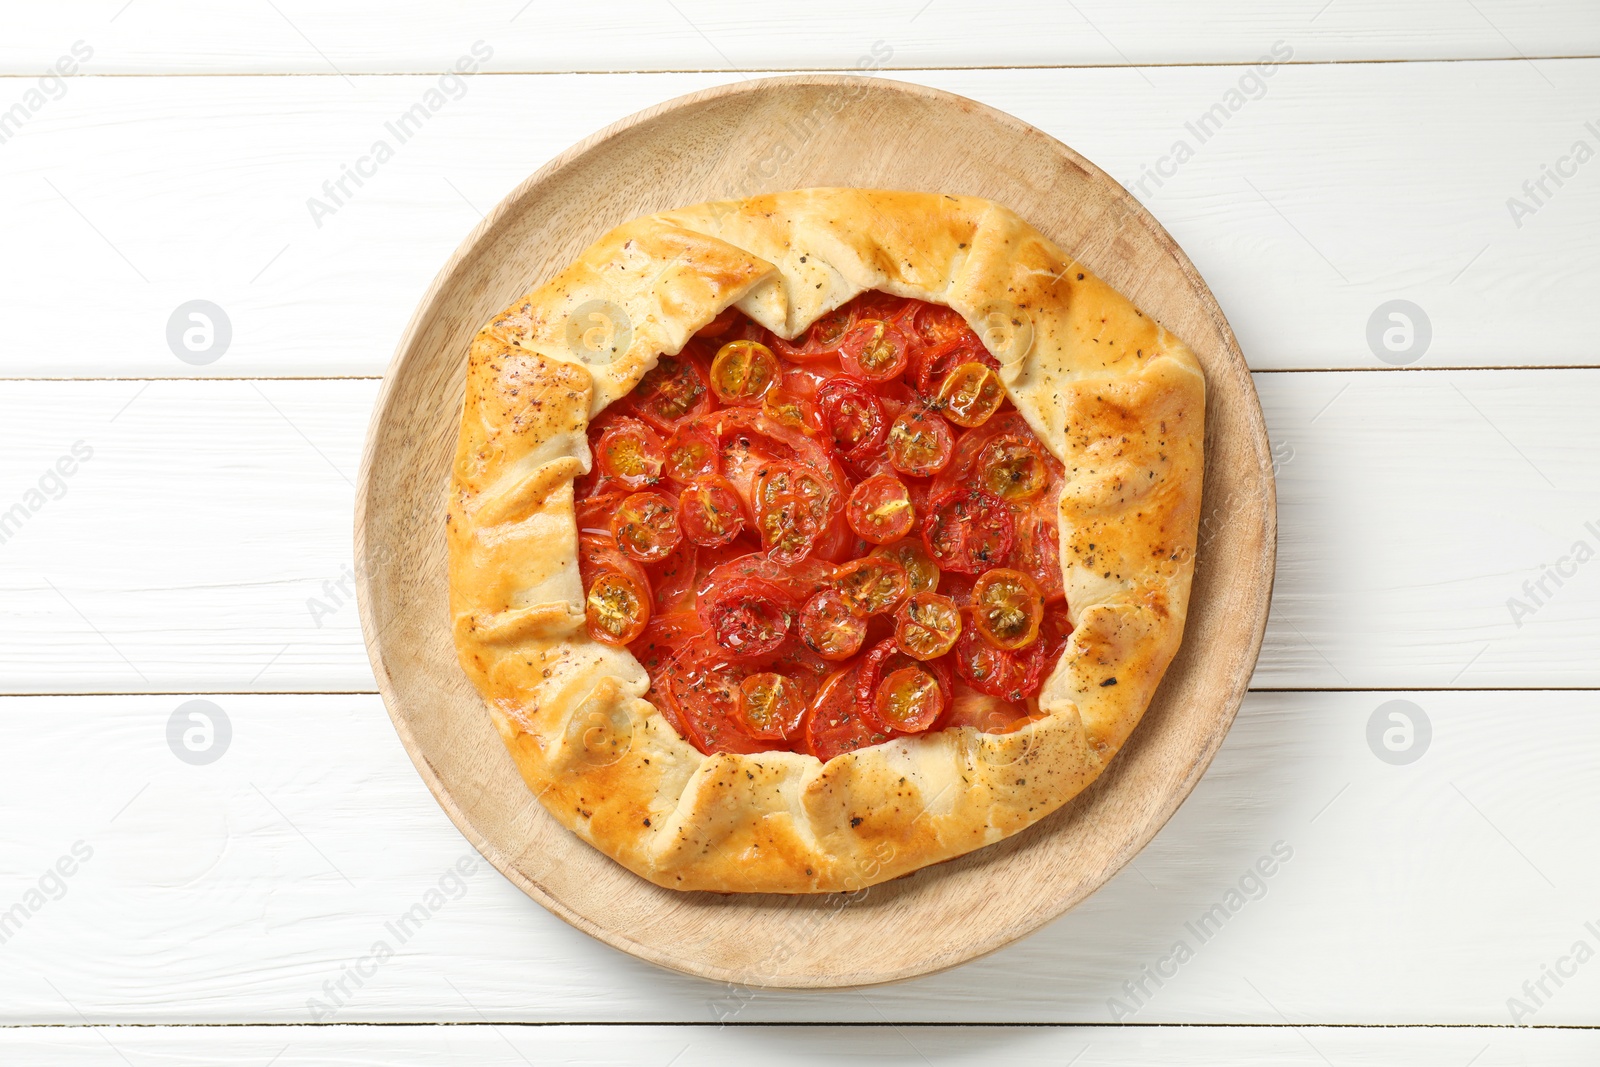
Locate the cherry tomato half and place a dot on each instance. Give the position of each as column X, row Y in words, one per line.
column 690, row 453
column 927, row 626
column 617, row 608
column 631, row 452
column 970, row 394
column 920, row 443
column 884, row 660
column 922, row 573
column 673, row 389
column 874, row 585
column 909, row 700
column 874, row 351
column 793, row 507
column 880, row 509
column 1007, row 608
column 829, row 330
column 646, row 527
column 969, row 532
column 743, row 372
column 771, row 706
column 933, row 364
column 790, row 410
column 709, row 512
column 852, row 415
column 830, row 627
column 1013, row 467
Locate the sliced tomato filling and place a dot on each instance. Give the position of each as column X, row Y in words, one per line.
column 820, row 544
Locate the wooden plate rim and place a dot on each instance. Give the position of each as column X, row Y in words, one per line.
column 405, row 353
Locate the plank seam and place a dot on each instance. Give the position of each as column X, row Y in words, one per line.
column 1197, row 64
column 881, row 1025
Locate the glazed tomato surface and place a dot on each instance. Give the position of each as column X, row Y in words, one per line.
column 820, row 544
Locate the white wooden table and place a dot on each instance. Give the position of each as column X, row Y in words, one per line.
column 175, row 526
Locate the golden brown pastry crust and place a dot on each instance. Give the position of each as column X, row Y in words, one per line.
column 1119, row 400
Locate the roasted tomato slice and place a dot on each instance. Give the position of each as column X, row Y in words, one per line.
column 1038, row 552
column 922, row 573
column 674, row 389
column 747, row 617
column 852, row 415
column 984, row 713
column 920, row 443
column 971, row 394
column 771, row 706
column 969, row 532
column 795, row 582
column 834, row 725
column 594, row 513
column 821, row 339
column 873, row 585
column 664, row 637
column 1007, row 608
column 726, row 320
column 874, row 350
column 880, row 509
column 701, row 686
column 748, row 443
column 709, row 511
column 964, row 469
column 631, row 452
column 927, row 626
column 1012, row 676
column 672, row 580
column 749, row 604
column 743, row 371
column 830, row 627
column 646, row 527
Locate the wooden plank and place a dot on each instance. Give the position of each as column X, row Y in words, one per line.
column 645, row 1046
column 232, row 891
column 1340, row 188
column 206, row 544
column 164, row 36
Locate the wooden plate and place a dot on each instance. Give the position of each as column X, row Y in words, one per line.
column 737, row 140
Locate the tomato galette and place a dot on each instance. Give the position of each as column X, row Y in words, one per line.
column 799, row 542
